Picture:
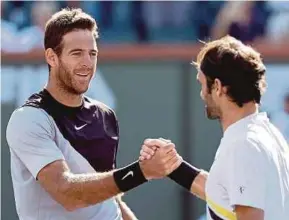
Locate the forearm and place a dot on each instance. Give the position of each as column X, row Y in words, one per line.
column 191, row 178
column 81, row 190
column 126, row 212
column 248, row 213
column 198, row 186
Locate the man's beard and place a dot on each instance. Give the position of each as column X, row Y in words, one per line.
column 212, row 111
column 66, row 82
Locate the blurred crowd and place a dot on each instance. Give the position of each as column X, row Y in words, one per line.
column 146, row 21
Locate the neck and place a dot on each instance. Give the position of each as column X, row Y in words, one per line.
column 233, row 113
column 64, row 97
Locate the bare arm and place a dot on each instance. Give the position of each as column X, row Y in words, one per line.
column 198, row 186
column 249, row 213
column 76, row 190
column 126, row 212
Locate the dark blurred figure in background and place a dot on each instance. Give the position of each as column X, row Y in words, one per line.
column 138, row 21
column 203, row 17
column 244, row 20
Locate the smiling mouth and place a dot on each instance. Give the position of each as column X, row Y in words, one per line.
column 82, row 74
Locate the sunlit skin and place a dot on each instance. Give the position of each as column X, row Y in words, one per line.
column 72, row 71
column 212, row 110
column 219, row 105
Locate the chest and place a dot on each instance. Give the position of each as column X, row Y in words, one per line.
column 94, row 137
column 217, row 184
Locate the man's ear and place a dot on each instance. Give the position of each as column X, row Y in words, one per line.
column 219, row 87
column 51, row 57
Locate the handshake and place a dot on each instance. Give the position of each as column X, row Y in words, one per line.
column 158, row 158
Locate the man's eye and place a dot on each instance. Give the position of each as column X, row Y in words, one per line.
column 76, row 54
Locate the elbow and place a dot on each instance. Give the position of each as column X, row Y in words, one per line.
column 72, row 206
column 69, row 208
column 68, row 200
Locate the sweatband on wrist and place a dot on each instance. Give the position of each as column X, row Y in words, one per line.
column 184, row 175
column 129, row 177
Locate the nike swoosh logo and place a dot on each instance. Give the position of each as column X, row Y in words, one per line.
column 80, row 127
column 130, row 173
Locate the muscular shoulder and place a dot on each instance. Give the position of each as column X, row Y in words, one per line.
column 28, row 119
column 27, row 113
